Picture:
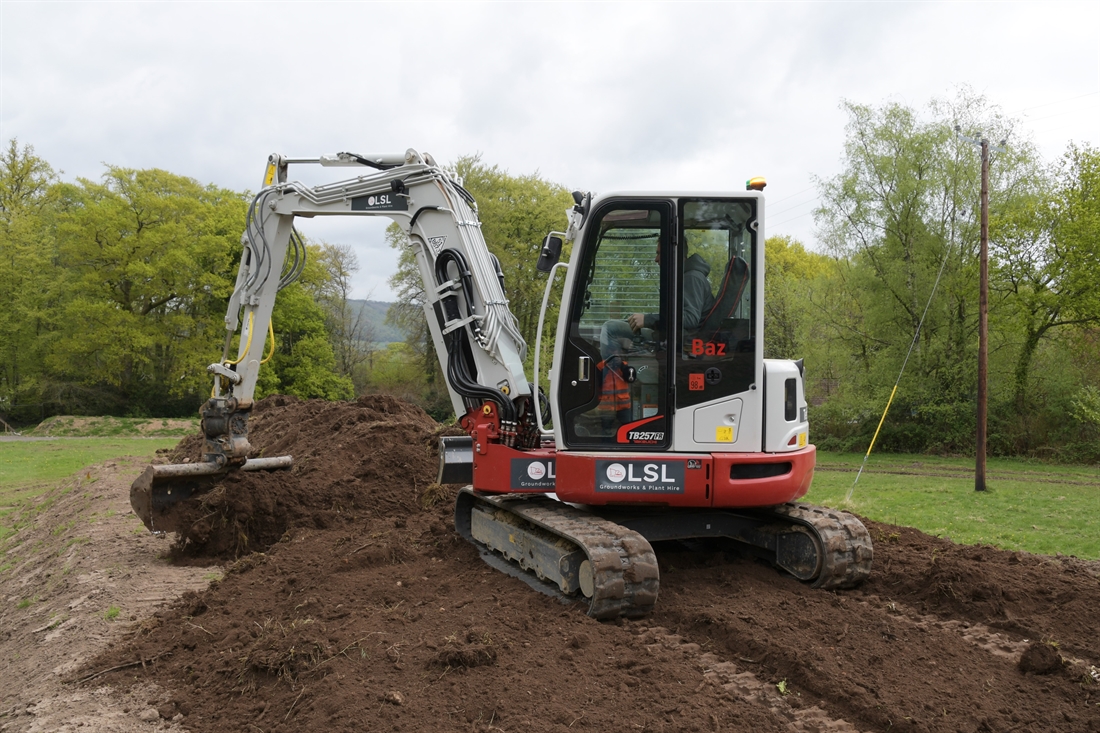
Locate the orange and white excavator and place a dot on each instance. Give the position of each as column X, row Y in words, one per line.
column 662, row 419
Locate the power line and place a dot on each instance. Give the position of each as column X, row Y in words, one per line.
column 793, row 207
column 1059, row 101
column 1047, row 117
column 792, row 218
column 777, row 201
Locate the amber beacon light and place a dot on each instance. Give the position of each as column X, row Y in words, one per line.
column 755, row 184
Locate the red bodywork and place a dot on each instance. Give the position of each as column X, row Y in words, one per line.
column 690, row 479
column 717, row 480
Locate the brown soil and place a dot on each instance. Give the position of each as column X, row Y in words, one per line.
column 79, row 576
column 362, row 610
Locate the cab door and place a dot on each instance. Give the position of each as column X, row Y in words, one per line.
column 613, row 384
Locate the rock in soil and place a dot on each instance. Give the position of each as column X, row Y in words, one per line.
column 1040, row 658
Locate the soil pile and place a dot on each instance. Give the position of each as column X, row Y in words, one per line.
column 352, row 461
column 366, row 612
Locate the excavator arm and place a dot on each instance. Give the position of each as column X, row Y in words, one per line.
column 477, row 339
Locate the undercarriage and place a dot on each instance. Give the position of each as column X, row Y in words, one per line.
column 605, row 554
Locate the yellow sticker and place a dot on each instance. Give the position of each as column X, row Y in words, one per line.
column 269, row 174
column 723, row 434
column 802, row 440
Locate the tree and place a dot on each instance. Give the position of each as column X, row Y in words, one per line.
column 26, row 195
column 1047, row 249
column 901, row 213
column 789, row 271
column 351, row 334
column 145, row 258
column 302, row 363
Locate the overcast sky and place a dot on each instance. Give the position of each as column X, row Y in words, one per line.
column 595, row 96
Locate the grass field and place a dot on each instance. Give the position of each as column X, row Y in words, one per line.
column 1027, row 506
column 28, row 468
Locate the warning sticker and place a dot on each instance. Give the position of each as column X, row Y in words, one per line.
column 723, row 434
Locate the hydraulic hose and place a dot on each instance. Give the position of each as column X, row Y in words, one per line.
column 457, row 370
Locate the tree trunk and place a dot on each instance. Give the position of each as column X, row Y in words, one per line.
column 1023, row 364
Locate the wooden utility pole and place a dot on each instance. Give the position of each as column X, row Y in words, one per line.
column 983, row 324
column 983, row 309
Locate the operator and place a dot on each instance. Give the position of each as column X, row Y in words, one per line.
column 617, row 336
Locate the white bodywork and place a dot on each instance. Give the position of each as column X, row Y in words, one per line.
column 756, row 415
column 428, row 203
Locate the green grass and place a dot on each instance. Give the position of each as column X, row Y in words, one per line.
column 1028, row 506
column 28, row 469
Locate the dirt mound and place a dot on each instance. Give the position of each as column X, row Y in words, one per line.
column 352, row 461
column 1033, row 596
column 1040, row 658
column 79, row 573
column 369, row 613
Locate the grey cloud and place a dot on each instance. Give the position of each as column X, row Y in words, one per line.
column 596, row 96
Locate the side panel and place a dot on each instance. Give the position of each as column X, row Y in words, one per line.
column 721, row 480
column 786, row 422
column 502, row 470
column 762, row 479
column 625, row 478
column 729, row 425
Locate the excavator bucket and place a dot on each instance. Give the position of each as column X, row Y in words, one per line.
column 159, row 488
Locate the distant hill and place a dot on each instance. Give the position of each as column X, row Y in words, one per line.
column 374, row 312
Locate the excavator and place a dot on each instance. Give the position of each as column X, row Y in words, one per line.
column 661, row 420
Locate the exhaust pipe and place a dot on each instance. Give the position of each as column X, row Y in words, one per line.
column 160, row 487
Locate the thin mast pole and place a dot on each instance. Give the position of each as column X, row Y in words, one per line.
column 983, row 325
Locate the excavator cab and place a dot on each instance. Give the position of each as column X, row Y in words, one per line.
column 662, row 317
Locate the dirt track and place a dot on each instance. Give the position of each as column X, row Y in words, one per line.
column 368, row 613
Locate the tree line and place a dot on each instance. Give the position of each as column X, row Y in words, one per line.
column 112, row 292
column 902, row 219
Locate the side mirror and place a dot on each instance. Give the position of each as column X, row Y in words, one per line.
column 550, row 253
